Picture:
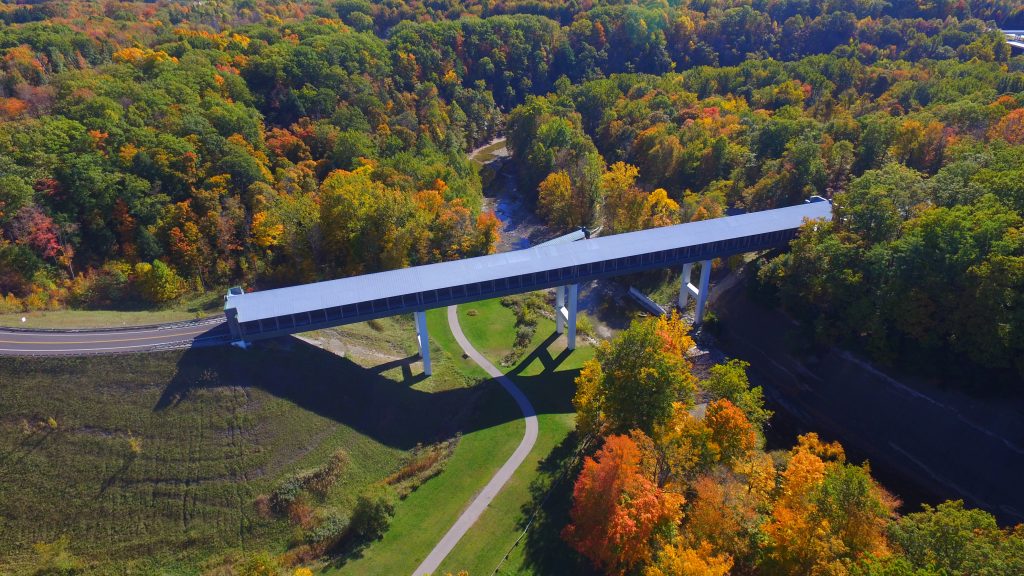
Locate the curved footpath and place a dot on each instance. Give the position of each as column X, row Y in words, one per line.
column 191, row 333
column 484, row 498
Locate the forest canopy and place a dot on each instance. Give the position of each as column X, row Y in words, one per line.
column 153, row 148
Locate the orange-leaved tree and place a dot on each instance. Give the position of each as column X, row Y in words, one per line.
column 829, row 513
column 619, row 512
column 678, row 559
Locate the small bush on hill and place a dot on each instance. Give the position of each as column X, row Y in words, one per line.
column 374, row 511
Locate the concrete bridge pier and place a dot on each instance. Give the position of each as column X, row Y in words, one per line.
column 566, row 306
column 570, row 317
column 559, row 306
column 424, row 340
column 686, row 289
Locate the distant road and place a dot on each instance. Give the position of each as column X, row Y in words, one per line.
column 192, row 333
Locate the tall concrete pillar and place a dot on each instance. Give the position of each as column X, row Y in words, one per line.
column 233, row 326
column 702, row 292
column 574, row 292
column 424, row 340
column 559, row 305
column 684, row 285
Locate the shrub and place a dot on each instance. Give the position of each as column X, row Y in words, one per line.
column 260, row 564
column 134, row 444
column 286, row 493
column 373, row 512
column 54, row 559
column 301, row 514
column 584, row 325
column 263, row 507
column 329, row 532
column 158, row 282
column 321, row 480
column 424, row 463
column 524, row 334
column 10, row 303
column 317, row 481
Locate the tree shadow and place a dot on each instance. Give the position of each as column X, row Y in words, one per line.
column 547, row 512
column 126, row 463
column 10, row 459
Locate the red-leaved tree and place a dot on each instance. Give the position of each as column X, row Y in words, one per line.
column 617, row 507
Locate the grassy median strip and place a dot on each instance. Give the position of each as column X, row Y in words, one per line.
column 188, row 308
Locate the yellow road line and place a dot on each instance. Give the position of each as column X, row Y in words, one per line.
column 63, row 342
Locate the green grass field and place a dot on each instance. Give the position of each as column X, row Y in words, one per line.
column 220, row 427
column 186, row 309
column 217, row 429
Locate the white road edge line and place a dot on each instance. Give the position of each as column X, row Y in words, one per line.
column 483, row 499
column 58, row 332
column 66, row 351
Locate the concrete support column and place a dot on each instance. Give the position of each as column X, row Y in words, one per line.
column 684, row 285
column 574, row 292
column 559, row 305
column 233, row 326
column 702, row 292
column 424, row 340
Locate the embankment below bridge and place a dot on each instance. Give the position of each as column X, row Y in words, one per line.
column 924, row 442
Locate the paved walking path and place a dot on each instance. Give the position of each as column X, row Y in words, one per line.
column 483, row 499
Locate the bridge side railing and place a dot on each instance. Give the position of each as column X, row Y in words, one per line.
column 460, row 294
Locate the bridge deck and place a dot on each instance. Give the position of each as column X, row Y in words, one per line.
column 335, row 302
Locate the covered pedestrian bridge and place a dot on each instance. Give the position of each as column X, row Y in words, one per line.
column 271, row 313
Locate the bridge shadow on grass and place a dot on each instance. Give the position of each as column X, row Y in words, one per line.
column 389, row 411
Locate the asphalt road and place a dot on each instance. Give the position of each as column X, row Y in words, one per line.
column 193, row 333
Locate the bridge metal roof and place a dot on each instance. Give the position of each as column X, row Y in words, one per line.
column 321, row 295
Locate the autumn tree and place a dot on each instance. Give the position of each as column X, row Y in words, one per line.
column 732, row 434
column 624, row 202
column 678, row 559
column 633, row 381
column 1010, row 127
column 729, row 381
column 724, row 513
column 362, row 222
column 829, row 514
column 554, row 200
column 619, row 512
